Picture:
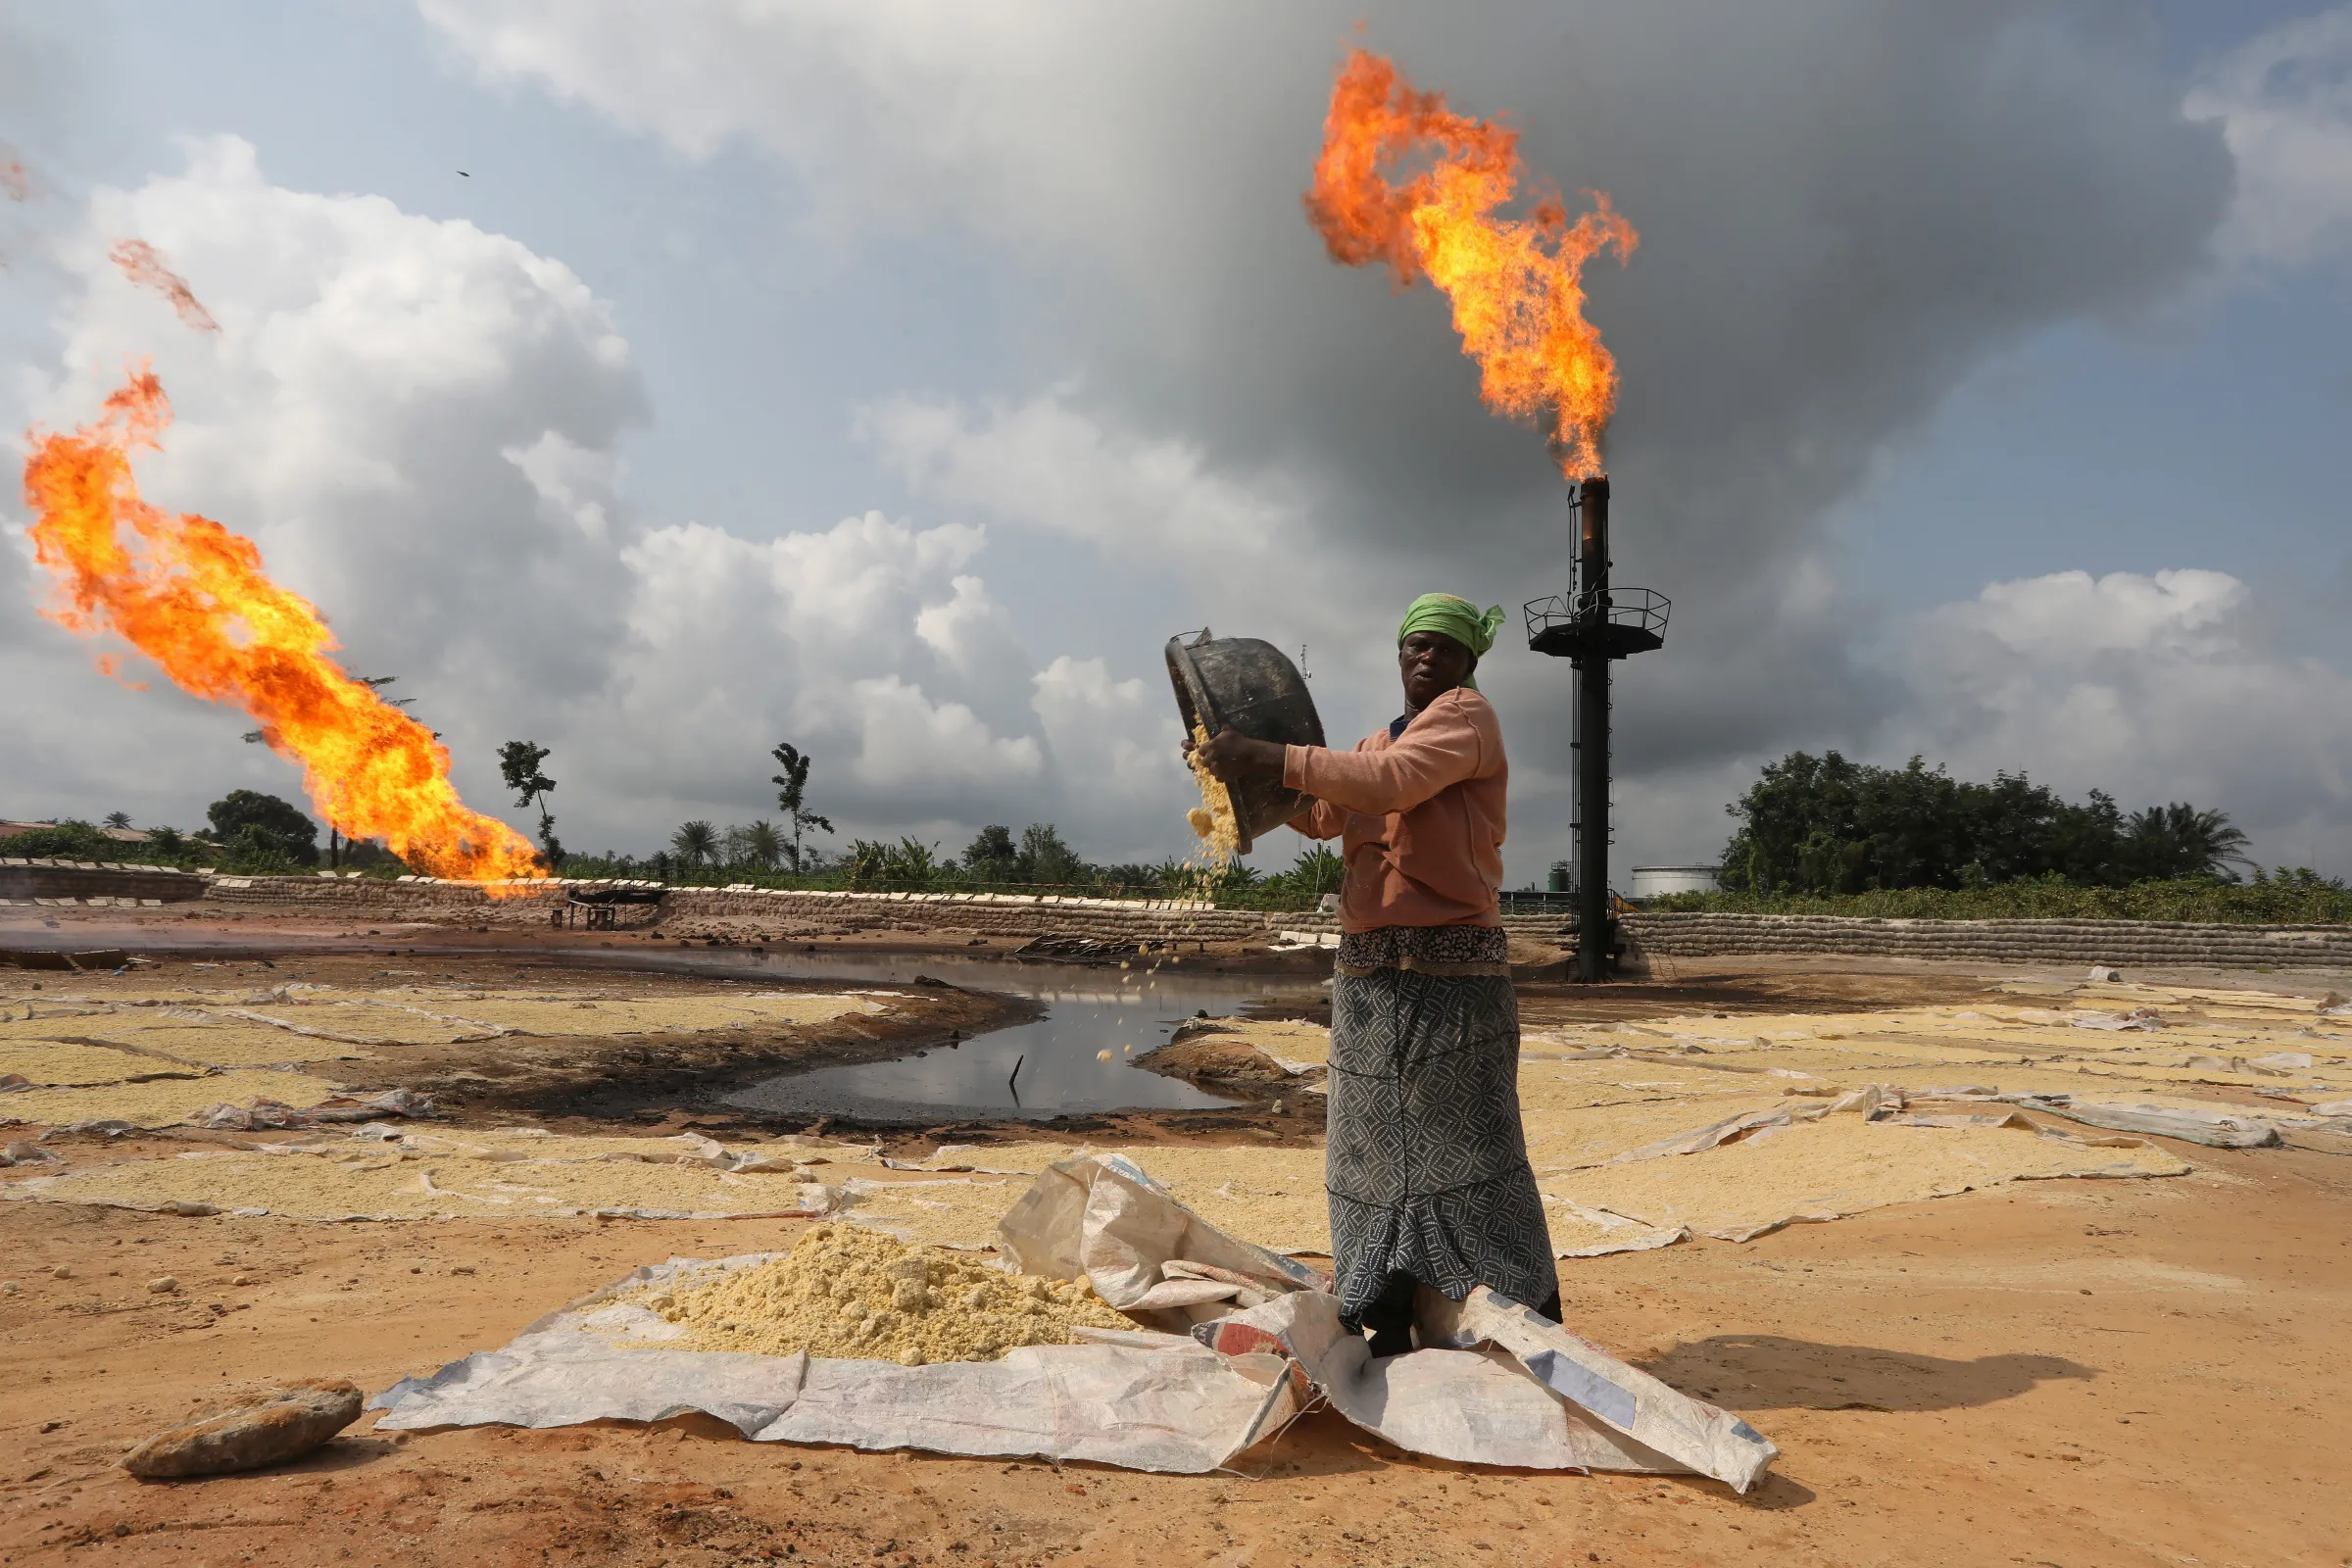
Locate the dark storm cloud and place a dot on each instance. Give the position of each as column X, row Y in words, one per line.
column 1845, row 208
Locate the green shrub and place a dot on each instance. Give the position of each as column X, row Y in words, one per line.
column 80, row 841
column 2288, row 898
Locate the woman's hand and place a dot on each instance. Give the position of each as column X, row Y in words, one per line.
column 1234, row 757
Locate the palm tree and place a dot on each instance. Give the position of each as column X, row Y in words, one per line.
column 762, row 844
column 792, row 798
column 118, row 819
column 2208, row 839
column 696, row 842
column 2179, row 841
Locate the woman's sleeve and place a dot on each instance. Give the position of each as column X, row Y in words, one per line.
column 1440, row 749
column 1320, row 820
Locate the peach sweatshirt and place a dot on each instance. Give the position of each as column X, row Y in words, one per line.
column 1421, row 816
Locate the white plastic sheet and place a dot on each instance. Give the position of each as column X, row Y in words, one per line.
column 1174, row 1406
column 268, row 1113
column 2219, row 1128
column 1500, row 1385
column 1648, row 1416
column 1102, row 1217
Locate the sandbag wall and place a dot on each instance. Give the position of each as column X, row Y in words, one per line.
column 787, row 912
column 1684, row 936
column 982, row 913
column 31, row 881
column 2122, row 943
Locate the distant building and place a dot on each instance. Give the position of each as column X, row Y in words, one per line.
column 121, row 834
column 1656, row 881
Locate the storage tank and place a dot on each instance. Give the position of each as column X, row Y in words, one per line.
column 1656, row 881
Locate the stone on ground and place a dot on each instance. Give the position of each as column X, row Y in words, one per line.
column 262, row 1430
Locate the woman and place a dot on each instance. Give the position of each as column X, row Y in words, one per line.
column 1426, row 1163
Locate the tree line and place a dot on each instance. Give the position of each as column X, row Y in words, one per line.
column 246, row 831
column 996, row 858
column 256, row 833
column 783, row 849
column 1824, row 826
column 1810, row 827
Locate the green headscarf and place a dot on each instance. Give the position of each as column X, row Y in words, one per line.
column 1458, row 618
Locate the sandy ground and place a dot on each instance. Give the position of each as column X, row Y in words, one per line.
column 2123, row 1373
column 2066, row 1373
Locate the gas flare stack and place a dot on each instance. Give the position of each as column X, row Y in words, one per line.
column 1588, row 626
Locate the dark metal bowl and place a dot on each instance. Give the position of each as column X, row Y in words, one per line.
column 1244, row 684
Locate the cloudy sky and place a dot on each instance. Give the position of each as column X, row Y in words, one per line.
column 894, row 376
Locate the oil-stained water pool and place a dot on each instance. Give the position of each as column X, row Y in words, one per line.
column 1043, row 1068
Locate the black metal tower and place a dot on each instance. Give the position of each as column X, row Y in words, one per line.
column 1589, row 627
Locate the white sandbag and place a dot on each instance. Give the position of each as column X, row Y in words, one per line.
column 1454, row 1404
column 1102, row 1217
column 1649, row 1415
column 1471, row 1407
column 1180, row 1291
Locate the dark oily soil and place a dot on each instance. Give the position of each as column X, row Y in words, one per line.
column 642, row 1076
column 1733, row 985
column 1280, row 1121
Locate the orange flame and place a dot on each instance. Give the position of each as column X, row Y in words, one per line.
column 144, row 265
column 192, row 596
column 1516, row 283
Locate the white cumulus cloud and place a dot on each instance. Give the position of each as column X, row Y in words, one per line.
column 1048, row 464
column 2155, row 687
column 906, row 739
column 1237, row 429
column 420, row 424
column 826, row 638
column 2283, row 100
column 1121, row 739
column 353, row 416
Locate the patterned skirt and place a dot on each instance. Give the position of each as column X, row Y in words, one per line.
column 1426, row 1162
